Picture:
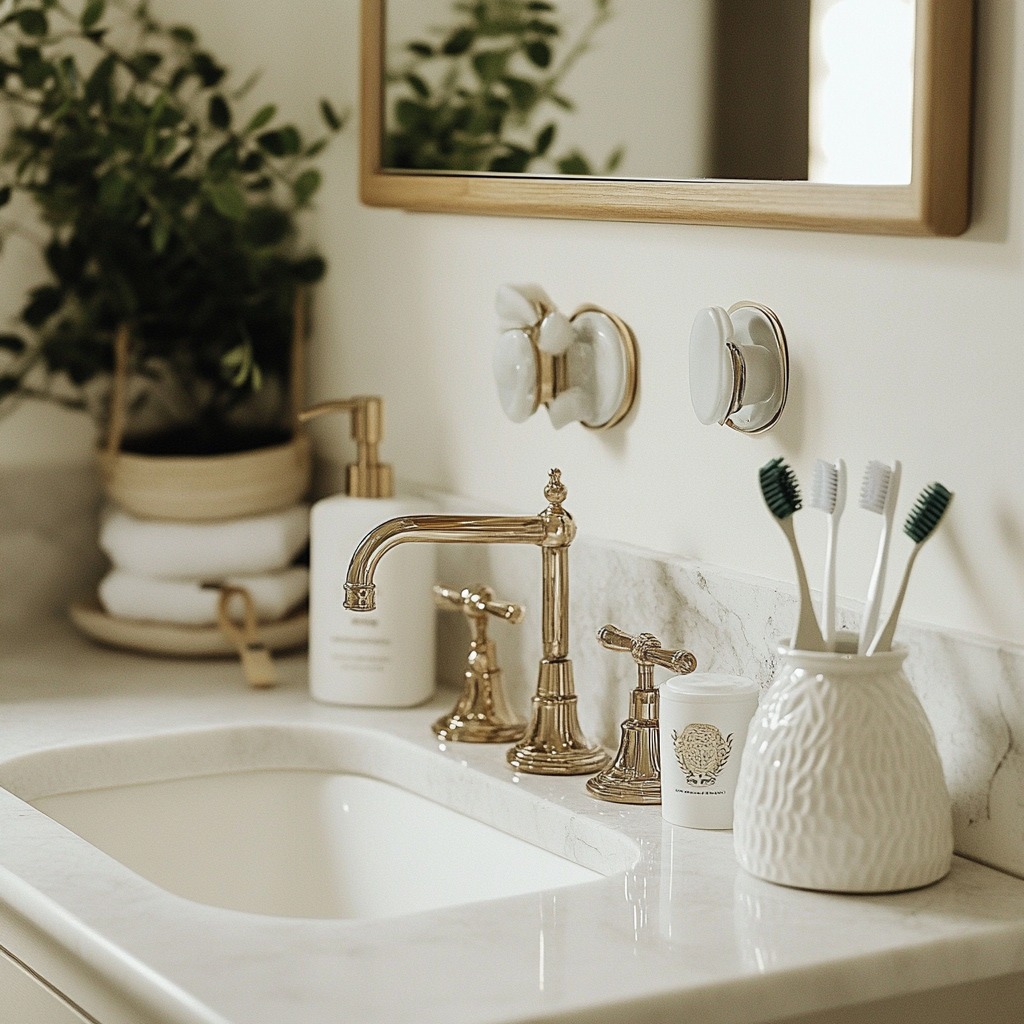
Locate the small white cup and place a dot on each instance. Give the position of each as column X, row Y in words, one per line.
column 703, row 721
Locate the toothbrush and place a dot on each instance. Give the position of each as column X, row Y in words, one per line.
column 782, row 496
column 921, row 522
column 878, row 494
column 828, row 493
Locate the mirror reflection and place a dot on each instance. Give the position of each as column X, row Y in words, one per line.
column 785, row 90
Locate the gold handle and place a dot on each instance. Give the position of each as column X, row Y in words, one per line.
column 646, row 650
column 477, row 602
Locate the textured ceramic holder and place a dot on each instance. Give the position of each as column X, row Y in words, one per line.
column 841, row 787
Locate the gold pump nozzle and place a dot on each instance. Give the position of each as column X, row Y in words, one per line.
column 367, row 477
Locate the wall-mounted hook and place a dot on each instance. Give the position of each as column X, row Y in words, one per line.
column 739, row 367
column 581, row 368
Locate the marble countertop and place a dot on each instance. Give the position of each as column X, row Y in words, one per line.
column 681, row 933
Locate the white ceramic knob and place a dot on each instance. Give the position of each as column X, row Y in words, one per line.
column 581, row 368
column 712, row 380
column 514, row 361
column 739, row 367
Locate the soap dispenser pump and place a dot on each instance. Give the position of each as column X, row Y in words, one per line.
column 385, row 658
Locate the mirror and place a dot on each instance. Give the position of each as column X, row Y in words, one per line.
column 847, row 115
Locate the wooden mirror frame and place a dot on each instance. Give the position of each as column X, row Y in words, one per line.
column 936, row 202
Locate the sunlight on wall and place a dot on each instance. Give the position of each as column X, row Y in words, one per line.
column 862, row 90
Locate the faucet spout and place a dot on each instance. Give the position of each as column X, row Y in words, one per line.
column 553, row 744
column 444, row 529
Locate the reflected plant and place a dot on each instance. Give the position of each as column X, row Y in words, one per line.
column 475, row 96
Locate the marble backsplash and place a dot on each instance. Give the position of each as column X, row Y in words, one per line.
column 971, row 688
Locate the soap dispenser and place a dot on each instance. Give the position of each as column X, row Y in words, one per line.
column 384, row 658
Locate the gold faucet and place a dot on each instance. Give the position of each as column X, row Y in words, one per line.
column 553, row 744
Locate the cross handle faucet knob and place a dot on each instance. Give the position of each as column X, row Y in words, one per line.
column 646, row 650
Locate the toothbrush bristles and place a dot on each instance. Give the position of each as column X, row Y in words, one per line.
column 928, row 510
column 875, row 487
column 824, row 486
column 780, row 488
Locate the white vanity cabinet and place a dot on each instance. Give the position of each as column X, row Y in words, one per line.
column 41, row 983
column 26, row 999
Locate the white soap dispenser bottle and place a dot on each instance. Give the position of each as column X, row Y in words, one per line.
column 384, row 658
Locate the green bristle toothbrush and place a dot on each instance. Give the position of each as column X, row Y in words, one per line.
column 782, row 496
column 921, row 522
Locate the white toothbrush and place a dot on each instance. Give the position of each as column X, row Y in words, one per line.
column 878, row 494
column 828, row 493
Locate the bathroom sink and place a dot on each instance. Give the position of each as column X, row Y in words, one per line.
column 312, row 822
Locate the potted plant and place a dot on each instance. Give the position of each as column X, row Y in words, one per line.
column 173, row 305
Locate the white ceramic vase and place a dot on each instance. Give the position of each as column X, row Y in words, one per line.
column 841, row 787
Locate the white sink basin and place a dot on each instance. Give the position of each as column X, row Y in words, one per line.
column 312, row 822
column 307, row 844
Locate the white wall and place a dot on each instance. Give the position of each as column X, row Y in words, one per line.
column 902, row 347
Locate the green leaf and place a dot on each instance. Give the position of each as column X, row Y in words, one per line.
column 261, row 119
column 144, row 64
column 514, row 161
column 92, row 13
column 8, row 386
column 181, row 159
column 33, row 22
column 5, row 195
column 315, row 148
column 544, row 139
column 420, row 49
column 574, row 163
column 228, row 199
column 331, row 117
column 284, row 141
column 252, row 162
column 223, row 159
column 12, row 343
column 207, row 69
column 309, row 270
column 306, row 185
column 160, row 234
column 490, row 64
column 219, row 112
column 113, row 190
column 184, row 35
column 458, row 42
column 237, row 364
column 98, row 84
column 410, row 114
column 522, row 92
column 539, row 53
column 615, row 158
column 31, row 67
column 43, row 302
column 418, row 86
column 267, row 226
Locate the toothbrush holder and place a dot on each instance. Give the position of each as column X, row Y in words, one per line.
column 841, row 788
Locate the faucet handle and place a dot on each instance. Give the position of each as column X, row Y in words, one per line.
column 476, row 603
column 634, row 776
column 481, row 714
column 646, row 650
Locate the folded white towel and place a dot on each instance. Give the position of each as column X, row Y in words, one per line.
column 191, row 551
column 189, row 603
